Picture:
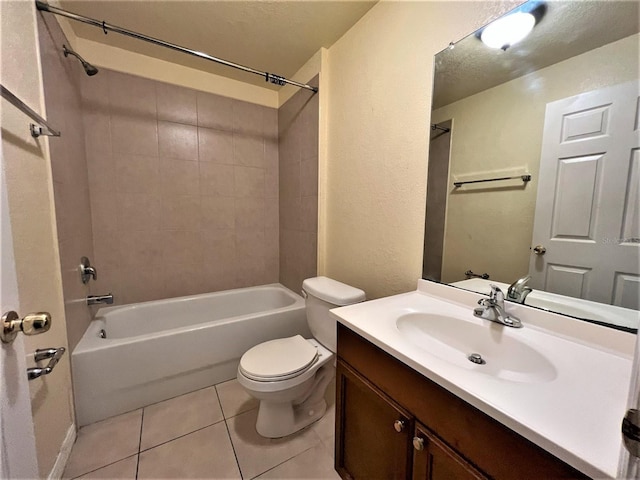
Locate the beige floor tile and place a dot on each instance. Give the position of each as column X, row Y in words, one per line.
column 257, row 454
column 314, row 463
column 104, row 443
column 178, row 416
column 234, row 398
column 122, row 470
column 325, row 427
column 330, row 447
column 206, row 453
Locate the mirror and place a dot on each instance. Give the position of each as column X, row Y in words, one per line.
column 534, row 163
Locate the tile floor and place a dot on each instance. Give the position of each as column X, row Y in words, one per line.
column 209, row 433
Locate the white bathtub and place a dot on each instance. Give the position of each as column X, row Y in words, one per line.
column 157, row 350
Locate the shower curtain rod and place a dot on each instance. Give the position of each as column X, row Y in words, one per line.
column 104, row 26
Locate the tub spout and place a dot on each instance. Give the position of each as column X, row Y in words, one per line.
column 97, row 299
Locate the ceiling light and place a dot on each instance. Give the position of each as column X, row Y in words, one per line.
column 508, row 31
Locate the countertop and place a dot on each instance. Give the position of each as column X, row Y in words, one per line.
column 575, row 415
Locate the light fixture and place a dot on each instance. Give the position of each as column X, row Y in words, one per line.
column 508, row 30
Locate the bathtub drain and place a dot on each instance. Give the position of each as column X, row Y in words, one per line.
column 103, row 334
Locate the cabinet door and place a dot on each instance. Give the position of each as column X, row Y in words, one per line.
column 434, row 460
column 373, row 434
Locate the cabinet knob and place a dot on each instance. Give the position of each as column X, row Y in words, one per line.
column 418, row 443
column 398, row 425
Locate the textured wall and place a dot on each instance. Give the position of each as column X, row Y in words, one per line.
column 298, row 133
column 380, row 81
column 184, row 188
column 31, row 208
column 61, row 78
column 503, row 128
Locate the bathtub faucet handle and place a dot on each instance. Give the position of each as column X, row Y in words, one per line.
column 87, row 272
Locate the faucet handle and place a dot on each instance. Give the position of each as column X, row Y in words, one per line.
column 496, row 294
column 87, row 271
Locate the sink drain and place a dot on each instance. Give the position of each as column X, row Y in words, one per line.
column 476, row 358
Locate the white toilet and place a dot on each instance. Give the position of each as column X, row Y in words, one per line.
column 290, row 375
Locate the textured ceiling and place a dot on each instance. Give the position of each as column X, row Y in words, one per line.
column 273, row 36
column 568, row 28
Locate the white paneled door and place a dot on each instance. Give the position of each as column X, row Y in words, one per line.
column 17, row 441
column 587, row 218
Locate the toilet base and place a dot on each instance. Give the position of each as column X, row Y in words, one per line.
column 279, row 419
column 276, row 420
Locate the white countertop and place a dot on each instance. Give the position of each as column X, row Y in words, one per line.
column 576, row 415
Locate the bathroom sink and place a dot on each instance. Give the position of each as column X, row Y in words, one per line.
column 454, row 339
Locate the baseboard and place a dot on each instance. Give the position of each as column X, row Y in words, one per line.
column 63, row 456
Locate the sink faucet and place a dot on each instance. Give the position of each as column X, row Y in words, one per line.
column 492, row 308
column 96, row 299
column 519, row 290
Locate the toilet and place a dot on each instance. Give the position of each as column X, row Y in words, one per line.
column 289, row 376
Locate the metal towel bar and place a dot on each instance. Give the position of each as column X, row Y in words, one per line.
column 53, row 354
column 36, row 130
column 525, row 178
column 470, row 274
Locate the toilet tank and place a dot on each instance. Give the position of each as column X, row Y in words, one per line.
column 323, row 294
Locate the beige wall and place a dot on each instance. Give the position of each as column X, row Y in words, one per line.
column 298, row 149
column 61, row 78
column 380, row 81
column 184, row 189
column 501, row 129
column 30, row 191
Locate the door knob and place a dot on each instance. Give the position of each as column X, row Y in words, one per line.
column 31, row 324
column 539, row 250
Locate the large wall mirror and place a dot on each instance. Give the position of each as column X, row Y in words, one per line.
column 534, row 163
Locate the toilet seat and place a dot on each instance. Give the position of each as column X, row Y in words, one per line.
column 279, row 359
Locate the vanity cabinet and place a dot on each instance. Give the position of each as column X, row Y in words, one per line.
column 434, row 459
column 376, row 432
column 392, row 422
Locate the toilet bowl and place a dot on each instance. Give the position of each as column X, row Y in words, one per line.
column 290, row 375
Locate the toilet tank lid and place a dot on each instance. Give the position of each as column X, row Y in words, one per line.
column 332, row 291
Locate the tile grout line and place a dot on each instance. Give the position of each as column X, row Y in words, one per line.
column 139, row 443
column 103, row 466
column 284, row 461
column 226, row 425
column 181, row 436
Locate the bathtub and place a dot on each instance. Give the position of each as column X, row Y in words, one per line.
column 156, row 350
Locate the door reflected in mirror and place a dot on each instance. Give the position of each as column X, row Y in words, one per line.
column 541, row 139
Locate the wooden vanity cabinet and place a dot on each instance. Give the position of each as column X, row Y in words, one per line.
column 376, row 432
column 384, row 406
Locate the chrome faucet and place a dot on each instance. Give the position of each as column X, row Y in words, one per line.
column 519, row 290
column 97, row 299
column 492, row 308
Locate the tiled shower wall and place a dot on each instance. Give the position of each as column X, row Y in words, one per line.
column 184, row 188
column 298, row 141
column 61, row 79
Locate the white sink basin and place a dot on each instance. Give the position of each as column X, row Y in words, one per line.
column 453, row 339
